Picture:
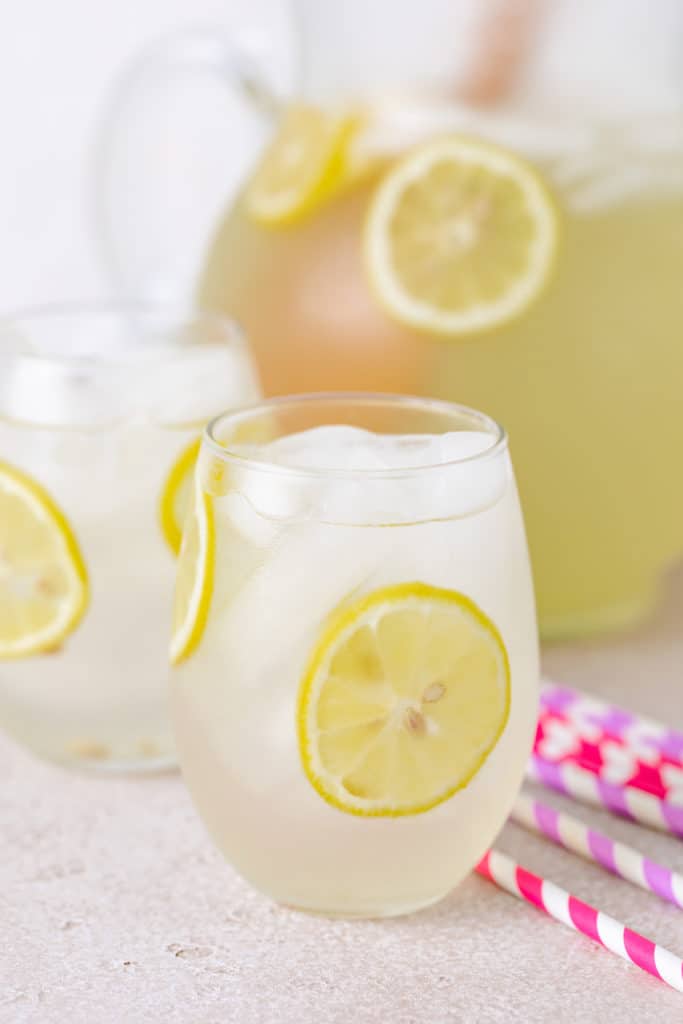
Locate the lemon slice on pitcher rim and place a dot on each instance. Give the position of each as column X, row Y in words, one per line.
column 460, row 237
column 176, row 495
column 194, row 580
column 405, row 697
column 304, row 164
column 43, row 578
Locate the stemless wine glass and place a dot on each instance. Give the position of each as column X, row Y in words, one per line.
column 355, row 645
column 100, row 414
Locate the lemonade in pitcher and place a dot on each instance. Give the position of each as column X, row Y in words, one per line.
column 359, row 289
column 483, row 202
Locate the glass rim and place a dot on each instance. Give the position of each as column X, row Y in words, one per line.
column 108, row 310
column 499, row 437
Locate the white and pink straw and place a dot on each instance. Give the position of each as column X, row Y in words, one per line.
column 574, row 913
column 613, row 759
column 615, row 857
column 595, row 720
column 588, row 787
column 609, row 757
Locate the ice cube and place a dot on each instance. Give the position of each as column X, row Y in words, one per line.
column 194, row 385
column 265, row 491
column 365, row 478
column 309, row 570
column 47, row 392
column 333, row 447
column 246, row 520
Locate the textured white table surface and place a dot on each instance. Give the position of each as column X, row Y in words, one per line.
column 115, row 908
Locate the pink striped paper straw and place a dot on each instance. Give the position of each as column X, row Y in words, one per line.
column 614, row 720
column 627, row 801
column 610, row 854
column 574, row 913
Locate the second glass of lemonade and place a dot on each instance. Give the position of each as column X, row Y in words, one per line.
column 100, row 414
column 356, row 666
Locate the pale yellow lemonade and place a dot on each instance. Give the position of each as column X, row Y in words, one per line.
column 96, row 458
column 356, row 658
column 586, row 374
column 99, row 699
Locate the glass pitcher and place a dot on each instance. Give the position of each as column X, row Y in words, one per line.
column 474, row 201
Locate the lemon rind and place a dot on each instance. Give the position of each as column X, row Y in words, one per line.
column 171, row 529
column 187, row 637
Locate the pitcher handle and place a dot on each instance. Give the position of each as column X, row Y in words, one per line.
column 163, row 173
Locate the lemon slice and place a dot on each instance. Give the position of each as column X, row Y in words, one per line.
column 405, row 697
column 460, row 236
column 304, row 164
column 43, row 578
column 176, row 496
column 194, row 582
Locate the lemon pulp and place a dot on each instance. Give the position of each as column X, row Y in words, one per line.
column 460, row 236
column 406, row 695
column 43, row 577
column 305, row 163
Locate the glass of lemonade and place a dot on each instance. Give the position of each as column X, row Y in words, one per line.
column 100, row 414
column 356, row 667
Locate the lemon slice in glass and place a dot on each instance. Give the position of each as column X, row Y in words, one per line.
column 43, row 578
column 194, row 581
column 405, row 697
column 460, row 237
column 303, row 165
column 176, row 496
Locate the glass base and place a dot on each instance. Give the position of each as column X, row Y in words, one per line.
column 369, row 913
column 140, row 766
column 596, row 621
column 112, row 765
column 98, row 763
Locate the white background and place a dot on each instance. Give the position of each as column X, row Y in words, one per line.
column 57, row 59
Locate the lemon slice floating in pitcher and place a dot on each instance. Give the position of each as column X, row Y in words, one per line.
column 176, row 496
column 43, row 578
column 194, row 581
column 305, row 163
column 460, row 236
column 405, row 697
